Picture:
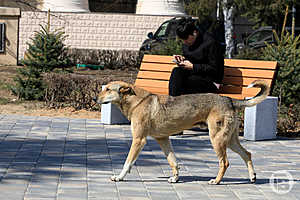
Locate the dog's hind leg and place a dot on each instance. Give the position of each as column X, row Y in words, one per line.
column 245, row 155
column 223, row 162
column 166, row 147
column 218, row 133
column 136, row 147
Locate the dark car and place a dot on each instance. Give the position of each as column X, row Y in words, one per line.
column 166, row 31
column 259, row 37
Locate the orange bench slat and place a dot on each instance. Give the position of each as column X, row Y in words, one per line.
column 154, row 75
column 156, row 83
column 158, row 59
column 243, row 81
column 157, row 67
column 249, row 73
column 258, row 64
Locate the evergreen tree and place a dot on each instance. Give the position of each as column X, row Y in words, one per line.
column 46, row 53
column 286, row 51
column 47, row 50
column 29, row 84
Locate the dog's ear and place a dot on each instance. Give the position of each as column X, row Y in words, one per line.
column 126, row 90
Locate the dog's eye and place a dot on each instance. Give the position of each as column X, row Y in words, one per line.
column 107, row 89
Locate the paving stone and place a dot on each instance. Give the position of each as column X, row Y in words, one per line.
column 61, row 159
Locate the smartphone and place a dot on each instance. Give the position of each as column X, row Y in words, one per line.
column 176, row 61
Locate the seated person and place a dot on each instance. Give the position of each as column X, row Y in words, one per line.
column 201, row 67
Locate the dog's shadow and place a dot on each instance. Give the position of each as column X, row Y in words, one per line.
column 189, row 179
column 225, row 181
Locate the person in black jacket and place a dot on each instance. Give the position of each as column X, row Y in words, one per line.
column 201, row 67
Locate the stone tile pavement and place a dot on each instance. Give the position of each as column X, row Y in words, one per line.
column 45, row 158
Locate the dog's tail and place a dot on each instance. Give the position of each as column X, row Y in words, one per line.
column 262, row 95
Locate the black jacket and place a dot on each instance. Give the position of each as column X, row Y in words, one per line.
column 207, row 56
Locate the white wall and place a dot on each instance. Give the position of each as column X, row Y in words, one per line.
column 92, row 30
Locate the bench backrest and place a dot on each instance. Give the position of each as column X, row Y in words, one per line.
column 155, row 71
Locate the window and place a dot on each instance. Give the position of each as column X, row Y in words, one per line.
column 2, row 37
column 172, row 30
column 161, row 32
column 259, row 36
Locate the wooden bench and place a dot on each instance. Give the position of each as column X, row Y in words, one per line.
column 155, row 73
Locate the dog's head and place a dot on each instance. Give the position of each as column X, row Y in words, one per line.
column 114, row 92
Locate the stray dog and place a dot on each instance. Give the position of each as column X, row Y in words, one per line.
column 160, row 116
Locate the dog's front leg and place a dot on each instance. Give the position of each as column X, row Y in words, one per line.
column 136, row 147
column 166, row 147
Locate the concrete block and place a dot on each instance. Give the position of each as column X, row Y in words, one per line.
column 261, row 120
column 111, row 114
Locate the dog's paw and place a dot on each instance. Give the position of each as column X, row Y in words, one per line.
column 173, row 179
column 213, row 182
column 116, row 178
column 253, row 178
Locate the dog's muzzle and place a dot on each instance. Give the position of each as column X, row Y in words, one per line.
column 96, row 100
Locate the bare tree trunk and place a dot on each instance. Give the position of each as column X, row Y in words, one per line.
column 228, row 12
column 293, row 19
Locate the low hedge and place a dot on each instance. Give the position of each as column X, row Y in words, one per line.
column 71, row 90
column 111, row 59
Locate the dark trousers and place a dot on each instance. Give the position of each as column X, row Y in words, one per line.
column 183, row 81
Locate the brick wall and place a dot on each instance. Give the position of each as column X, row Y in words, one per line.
column 92, row 30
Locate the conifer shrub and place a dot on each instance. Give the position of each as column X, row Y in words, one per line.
column 286, row 51
column 46, row 52
column 29, row 84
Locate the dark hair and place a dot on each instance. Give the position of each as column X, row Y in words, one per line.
column 185, row 27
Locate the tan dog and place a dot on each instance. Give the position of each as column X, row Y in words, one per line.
column 160, row 116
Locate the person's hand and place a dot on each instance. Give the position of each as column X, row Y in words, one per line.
column 178, row 59
column 186, row 64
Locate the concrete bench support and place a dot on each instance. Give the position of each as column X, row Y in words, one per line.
column 111, row 114
column 261, row 120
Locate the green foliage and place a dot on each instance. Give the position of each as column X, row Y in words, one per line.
column 170, row 47
column 202, row 9
column 47, row 50
column 286, row 52
column 29, row 84
column 261, row 13
column 264, row 13
column 3, row 101
column 249, row 54
column 46, row 53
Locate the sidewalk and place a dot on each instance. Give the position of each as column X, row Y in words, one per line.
column 45, row 158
